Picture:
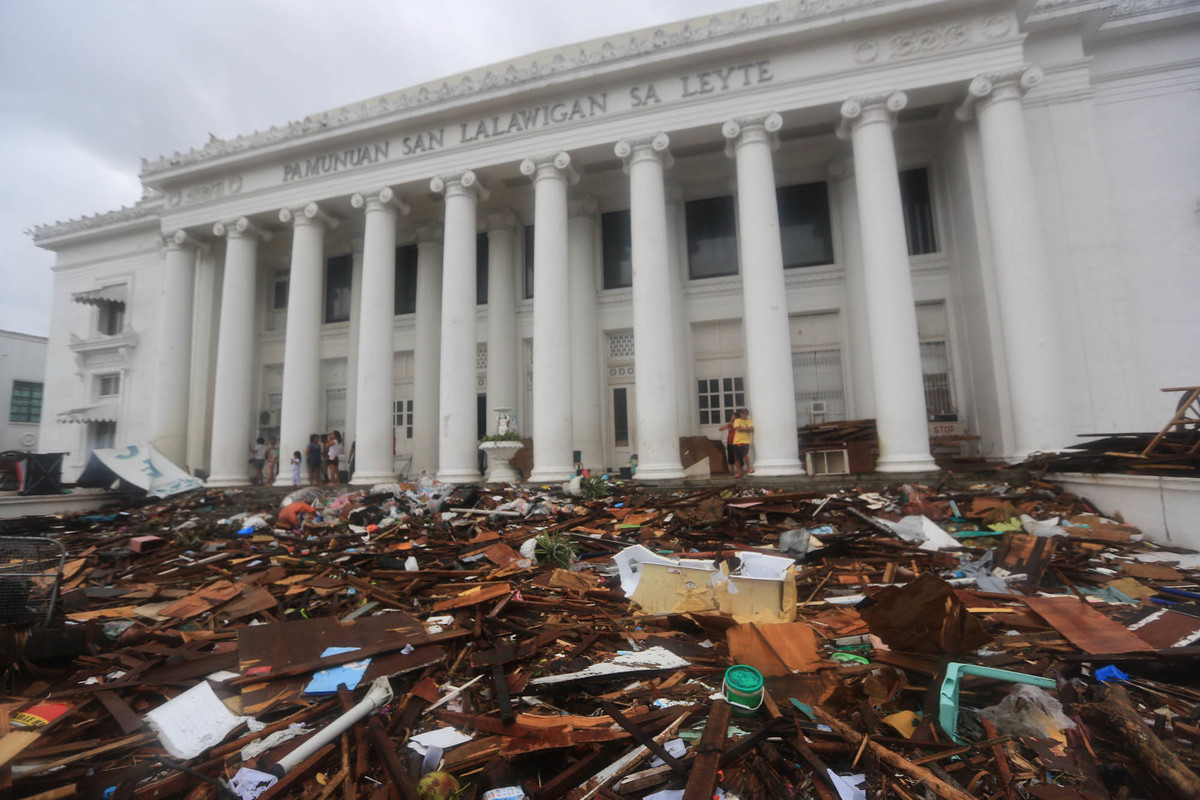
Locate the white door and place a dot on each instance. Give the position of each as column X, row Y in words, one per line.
column 622, row 424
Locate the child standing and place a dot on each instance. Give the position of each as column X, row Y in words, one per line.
column 296, row 468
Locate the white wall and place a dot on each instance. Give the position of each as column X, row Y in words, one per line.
column 22, row 358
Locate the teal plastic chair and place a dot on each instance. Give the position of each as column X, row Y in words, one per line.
column 948, row 696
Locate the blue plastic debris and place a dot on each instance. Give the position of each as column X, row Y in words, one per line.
column 1111, row 673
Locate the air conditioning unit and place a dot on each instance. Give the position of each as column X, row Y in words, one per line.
column 816, row 407
column 268, row 418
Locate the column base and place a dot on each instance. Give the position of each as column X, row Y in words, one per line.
column 361, row 478
column 284, row 481
column 225, row 481
column 659, row 472
column 456, row 476
column 552, row 474
column 778, row 469
column 911, row 463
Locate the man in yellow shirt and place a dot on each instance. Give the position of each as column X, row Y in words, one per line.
column 743, row 430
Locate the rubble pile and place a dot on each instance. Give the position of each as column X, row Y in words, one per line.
column 602, row 640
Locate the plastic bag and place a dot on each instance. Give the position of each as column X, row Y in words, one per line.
column 1028, row 711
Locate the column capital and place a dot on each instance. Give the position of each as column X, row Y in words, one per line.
column 308, row 214
column 179, row 239
column 241, row 228
column 583, row 206
column 994, row 86
column 753, row 128
column 466, row 182
column 379, row 199
column 428, row 233
column 553, row 165
column 859, row 111
column 504, row 220
column 840, row 168
column 655, row 145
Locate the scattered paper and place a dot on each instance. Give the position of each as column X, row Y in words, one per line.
column 847, row 786
column 326, row 681
column 248, row 783
column 194, row 721
column 443, row 738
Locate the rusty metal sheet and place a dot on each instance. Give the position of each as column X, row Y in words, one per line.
column 1084, row 626
column 1164, row 628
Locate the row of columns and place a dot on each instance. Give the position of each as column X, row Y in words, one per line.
column 567, row 397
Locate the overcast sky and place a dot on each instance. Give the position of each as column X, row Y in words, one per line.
column 89, row 87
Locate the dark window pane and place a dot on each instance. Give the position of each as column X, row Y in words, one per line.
column 481, row 269
column 528, row 261
column 714, row 385
column 620, row 418
column 727, row 384
column 738, row 384
column 703, row 417
column 729, row 400
column 704, row 401
column 918, row 211
column 804, row 228
column 711, row 238
column 339, row 273
column 281, row 294
column 406, row 279
column 618, row 251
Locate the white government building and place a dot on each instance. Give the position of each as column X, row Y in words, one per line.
column 982, row 213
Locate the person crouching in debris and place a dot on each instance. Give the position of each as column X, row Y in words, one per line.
column 313, row 455
column 743, row 435
column 730, row 452
column 258, row 457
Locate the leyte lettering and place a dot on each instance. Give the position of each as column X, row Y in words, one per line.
column 725, row 78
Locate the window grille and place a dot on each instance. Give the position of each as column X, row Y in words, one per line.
column 620, row 345
column 402, row 416
column 820, row 392
column 935, row 373
column 481, row 356
column 26, row 402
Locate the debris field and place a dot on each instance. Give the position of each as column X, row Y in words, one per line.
column 600, row 640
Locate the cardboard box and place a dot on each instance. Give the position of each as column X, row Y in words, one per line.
column 763, row 589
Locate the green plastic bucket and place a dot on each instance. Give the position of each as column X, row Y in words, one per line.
column 743, row 688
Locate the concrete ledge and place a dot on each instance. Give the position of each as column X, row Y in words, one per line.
column 1166, row 509
column 12, row 505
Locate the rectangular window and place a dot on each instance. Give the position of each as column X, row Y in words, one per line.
column 102, row 435
column 108, row 385
column 339, row 273
column 917, row 201
column 718, row 398
column 618, row 249
column 26, row 402
column 935, row 374
column 528, row 261
column 111, row 319
column 481, row 269
column 711, row 238
column 406, row 279
column 804, row 227
column 279, row 303
column 402, row 416
column 620, row 417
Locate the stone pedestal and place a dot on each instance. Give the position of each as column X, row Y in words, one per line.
column 498, row 456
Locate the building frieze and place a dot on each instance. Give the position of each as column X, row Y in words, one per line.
column 517, row 73
column 144, row 210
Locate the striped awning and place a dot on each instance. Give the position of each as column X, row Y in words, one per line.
column 109, row 295
column 104, row 411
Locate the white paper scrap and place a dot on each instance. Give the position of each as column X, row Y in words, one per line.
column 847, row 786
column 445, row 738
column 248, row 783
column 193, row 722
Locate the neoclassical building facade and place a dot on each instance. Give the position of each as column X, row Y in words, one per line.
column 979, row 217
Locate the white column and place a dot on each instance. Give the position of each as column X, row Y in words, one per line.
column 587, row 392
column 427, row 355
column 653, row 324
column 502, row 369
column 350, row 434
column 1023, row 286
column 552, row 423
column 233, row 386
column 770, row 389
column 457, row 442
column 862, row 379
column 900, row 415
column 300, row 415
column 169, row 418
column 376, row 358
column 689, row 423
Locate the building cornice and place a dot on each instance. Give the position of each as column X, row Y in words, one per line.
column 144, row 214
column 535, row 70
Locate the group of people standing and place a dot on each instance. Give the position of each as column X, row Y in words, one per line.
column 737, row 441
column 323, row 456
